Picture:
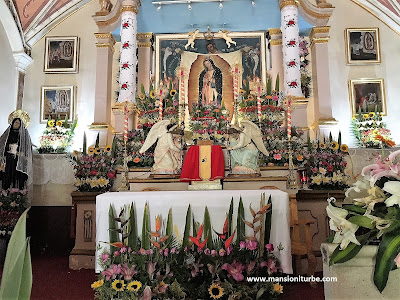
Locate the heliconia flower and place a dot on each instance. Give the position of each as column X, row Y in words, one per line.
column 229, row 241
column 196, row 240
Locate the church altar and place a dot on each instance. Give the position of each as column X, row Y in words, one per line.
column 218, row 204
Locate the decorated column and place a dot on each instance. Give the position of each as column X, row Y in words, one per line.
column 290, row 47
column 276, row 55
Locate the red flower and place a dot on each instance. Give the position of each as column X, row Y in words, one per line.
column 330, row 168
column 222, row 117
column 110, row 175
column 124, row 86
column 125, row 45
column 125, row 66
column 219, row 131
column 125, row 25
column 94, row 172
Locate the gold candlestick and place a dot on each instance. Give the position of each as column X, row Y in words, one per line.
column 291, row 183
column 124, row 181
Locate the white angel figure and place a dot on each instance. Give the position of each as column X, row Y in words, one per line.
column 192, row 36
column 167, row 154
column 244, row 147
column 228, row 40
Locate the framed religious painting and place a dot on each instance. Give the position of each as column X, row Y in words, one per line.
column 61, row 54
column 367, row 95
column 208, row 60
column 57, row 101
column 362, row 46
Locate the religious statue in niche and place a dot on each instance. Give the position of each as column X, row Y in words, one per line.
column 16, row 153
column 210, row 84
column 168, row 152
column 244, row 145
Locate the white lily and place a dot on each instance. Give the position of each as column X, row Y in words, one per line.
column 361, row 185
column 345, row 230
column 380, row 224
column 392, row 187
column 375, row 195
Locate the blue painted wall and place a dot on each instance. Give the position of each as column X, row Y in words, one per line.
column 236, row 15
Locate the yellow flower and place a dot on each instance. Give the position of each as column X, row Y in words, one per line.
column 93, row 182
column 315, row 145
column 334, row 145
column 97, row 150
column 322, row 146
column 250, row 97
column 354, row 117
column 371, row 114
column 102, row 181
column 78, row 182
column 141, row 96
column 152, row 94
column 344, row 148
column 51, row 123
column 91, row 150
column 97, row 284
column 216, row 291
column 172, row 93
column 134, row 286
column 242, row 92
column 118, row 285
column 278, row 288
column 316, row 179
column 365, row 116
column 59, row 123
column 326, row 179
column 107, row 148
column 76, row 153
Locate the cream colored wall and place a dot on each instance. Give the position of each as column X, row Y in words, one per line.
column 78, row 24
column 8, row 80
column 349, row 15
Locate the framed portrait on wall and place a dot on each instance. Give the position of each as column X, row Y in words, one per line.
column 367, row 95
column 362, row 46
column 57, row 101
column 61, row 54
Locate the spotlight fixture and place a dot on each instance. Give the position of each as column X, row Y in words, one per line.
column 253, row 3
column 159, row 7
column 221, row 6
column 189, row 6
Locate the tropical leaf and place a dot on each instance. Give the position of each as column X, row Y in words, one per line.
column 186, row 233
column 277, row 83
column 113, row 235
column 362, row 221
column 388, row 249
column 207, row 229
column 354, row 208
column 97, row 141
column 240, row 223
column 341, row 256
column 169, row 229
column 230, row 218
column 145, row 229
column 269, row 85
column 133, row 233
column 84, row 147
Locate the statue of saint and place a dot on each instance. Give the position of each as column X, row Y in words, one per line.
column 15, row 155
column 168, row 152
column 210, row 84
column 244, row 145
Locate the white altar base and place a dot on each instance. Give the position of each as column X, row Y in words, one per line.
column 218, row 205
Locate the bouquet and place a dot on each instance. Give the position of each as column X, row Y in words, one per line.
column 13, row 203
column 372, row 216
column 57, row 136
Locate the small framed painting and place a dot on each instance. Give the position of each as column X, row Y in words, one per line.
column 362, row 46
column 367, row 95
column 57, row 101
column 61, row 54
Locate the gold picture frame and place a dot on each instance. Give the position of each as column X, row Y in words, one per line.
column 57, row 101
column 367, row 95
column 362, row 46
column 61, row 54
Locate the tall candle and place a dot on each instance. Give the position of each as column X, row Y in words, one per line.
column 289, row 118
column 259, row 107
column 126, row 122
column 182, row 96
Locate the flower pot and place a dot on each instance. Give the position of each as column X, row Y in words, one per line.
column 355, row 277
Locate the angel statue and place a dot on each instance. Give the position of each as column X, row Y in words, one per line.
column 244, row 146
column 168, row 152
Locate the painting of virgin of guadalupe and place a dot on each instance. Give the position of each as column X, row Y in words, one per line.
column 210, row 84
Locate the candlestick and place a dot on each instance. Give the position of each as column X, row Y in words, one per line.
column 289, row 117
column 259, row 109
column 126, row 121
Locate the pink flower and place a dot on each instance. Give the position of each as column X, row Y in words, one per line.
column 151, row 268
column 142, row 251
column 173, row 250
column 147, row 294
column 14, row 190
column 250, row 267
column 149, row 252
column 314, row 170
column 242, row 244
column 269, row 247
column 111, row 272
column 207, row 252
column 128, row 272
column 234, row 270
column 105, row 257
column 110, row 175
column 166, row 251
column 93, row 172
column 214, row 252
column 123, row 249
column 330, row 168
column 270, row 265
column 277, row 156
column 222, row 252
column 229, row 250
column 116, row 253
column 251, row 245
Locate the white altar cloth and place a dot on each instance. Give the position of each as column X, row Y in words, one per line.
column 218, row 205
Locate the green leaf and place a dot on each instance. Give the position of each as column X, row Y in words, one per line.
column 207, row 233
column 168, row 230
column 354, row 208
column 230, row 218
column 112, row 227
column 268, row 222
column 114, row 147
column 133, row 233
column 142, row 89
column 341, row 256
column 330, row 238
column 240, row 223
column 187, row 229
column 388, row 249
column 277, row 83
column 97, row 141
column 194, row 228
column 269, row 85
column 146, row 229
column 363, row 221
column 260, row 293
column 84, row 144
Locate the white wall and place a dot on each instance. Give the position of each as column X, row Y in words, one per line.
column 79, row 24
column 349, row 15
column 8, row 80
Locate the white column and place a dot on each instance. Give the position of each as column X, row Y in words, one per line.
column 22, row 61
column 290, row 47
column 127, row 79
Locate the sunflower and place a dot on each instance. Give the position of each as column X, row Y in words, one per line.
column 242, row 92
column 216, row 291
column 118, row 285
column 371, row 114
column 91, row 150
column 76, row 153
column 51, row 123
column 136, row 160
column 315, row 145
column 344, row 148
column 152, row 94
column 278, row 288
column 365, row 116
column 59, row 123
column 250, row 97
column 322, row 146
column 134, row 286
column 97, row 150
column 172, row 93
column 334, row 145
column 97, row 284
column 107, row 148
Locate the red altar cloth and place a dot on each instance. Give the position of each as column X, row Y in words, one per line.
column 190, row 168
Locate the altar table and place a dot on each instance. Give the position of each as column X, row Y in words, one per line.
column 217, row 201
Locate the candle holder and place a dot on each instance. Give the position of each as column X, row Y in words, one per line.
column 291, row 183
column 302, row 175
column 124, row 181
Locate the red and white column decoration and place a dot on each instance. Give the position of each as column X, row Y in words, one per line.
column 289, row 117
column 290, row 47
column 128, row 58
column 258, row 88
column 126, row 121
column 236, row 72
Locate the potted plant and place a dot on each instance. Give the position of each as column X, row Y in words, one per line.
column 368, row 233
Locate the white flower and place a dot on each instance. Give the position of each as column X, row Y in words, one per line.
column 375, row 195
column 345, row 230
column 392, row 187
column 361, row 185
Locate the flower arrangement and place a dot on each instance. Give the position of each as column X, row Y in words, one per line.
column 200, row 266
column 13, row 203
column 372, row 216
column 325, row 164
column 370, row 131
column 305, row 77
column 57, row 136
column 209, row 122
column 95, row 170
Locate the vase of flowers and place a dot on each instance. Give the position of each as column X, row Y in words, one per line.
column 57, row 136
column 371, row 216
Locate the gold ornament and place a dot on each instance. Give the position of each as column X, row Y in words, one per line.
column 23, row 115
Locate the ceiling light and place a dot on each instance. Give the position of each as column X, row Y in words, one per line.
column 221, row 6
column 189, row 6
column 159, row 7
column 253, row 3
